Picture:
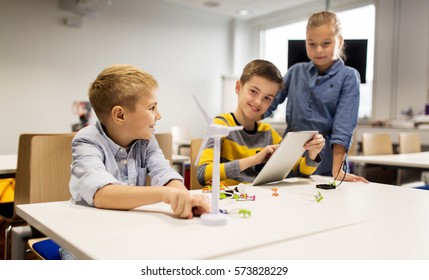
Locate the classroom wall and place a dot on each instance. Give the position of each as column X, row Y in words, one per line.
column 412, row 76
column 46, row 66
column 401, row 58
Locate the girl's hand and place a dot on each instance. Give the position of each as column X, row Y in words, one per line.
column 351, row 177
column 315, row 145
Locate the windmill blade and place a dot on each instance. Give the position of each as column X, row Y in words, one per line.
column 203, row 144
column 232, row 128
column 209, row 120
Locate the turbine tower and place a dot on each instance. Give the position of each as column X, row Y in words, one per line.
column 216, row 132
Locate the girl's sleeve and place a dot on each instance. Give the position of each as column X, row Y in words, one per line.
column 346, row 115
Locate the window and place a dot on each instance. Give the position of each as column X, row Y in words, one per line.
column 275, row 46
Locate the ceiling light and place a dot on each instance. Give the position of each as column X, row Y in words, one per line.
column 243, row 12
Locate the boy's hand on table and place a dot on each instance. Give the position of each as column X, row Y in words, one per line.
column 200, row 204
column 184, row 204
column 180, row 202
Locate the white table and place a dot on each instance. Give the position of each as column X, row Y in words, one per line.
column 180, row 158
column 398, row 231
column 359, row 220
column 8, row 165
column 414, row 160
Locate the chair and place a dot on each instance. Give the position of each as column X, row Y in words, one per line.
column 195, row 148
column 181, row 140
column 44, row 248
column 409, row 142
column 42, row 175
column 378, row 144
column 165, row 142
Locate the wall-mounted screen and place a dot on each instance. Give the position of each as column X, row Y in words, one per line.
column 356, row 53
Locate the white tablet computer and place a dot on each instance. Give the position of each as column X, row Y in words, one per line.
column 281, row 162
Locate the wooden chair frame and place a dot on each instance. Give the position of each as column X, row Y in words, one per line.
column 195, row 148
column 42, row 175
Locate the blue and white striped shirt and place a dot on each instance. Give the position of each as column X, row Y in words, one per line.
column 98, row 161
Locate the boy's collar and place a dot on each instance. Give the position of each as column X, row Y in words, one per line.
column 113, row 146
column 255, row 127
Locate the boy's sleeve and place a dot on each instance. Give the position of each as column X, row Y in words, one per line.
column 88, row 172
column 159, row 168
column 305, row 166
column 276, row 136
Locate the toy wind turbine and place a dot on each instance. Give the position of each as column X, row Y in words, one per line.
column 216, row 132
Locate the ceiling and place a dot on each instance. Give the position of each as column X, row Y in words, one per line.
column 230, row 8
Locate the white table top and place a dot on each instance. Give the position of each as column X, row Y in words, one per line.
column 289, row 226
column 180, row 158
column 397, row 234
column 414, row 160
column 8, row 164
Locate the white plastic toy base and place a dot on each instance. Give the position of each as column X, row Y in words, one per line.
column 210, row 219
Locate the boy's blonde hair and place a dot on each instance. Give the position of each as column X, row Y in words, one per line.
column 119, row 85
column 327, row 17
column 262, row 68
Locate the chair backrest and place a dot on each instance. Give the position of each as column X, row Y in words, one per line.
column 409, row 142
column 195, row 147
column 376, row 144
column 165, row 142
column 43, row 168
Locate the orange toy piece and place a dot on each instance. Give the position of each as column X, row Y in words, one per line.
column 275, row 191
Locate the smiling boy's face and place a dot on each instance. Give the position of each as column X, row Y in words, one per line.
column 254, row 98
column 140, row 123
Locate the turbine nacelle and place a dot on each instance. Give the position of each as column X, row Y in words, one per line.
column 218, row 131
